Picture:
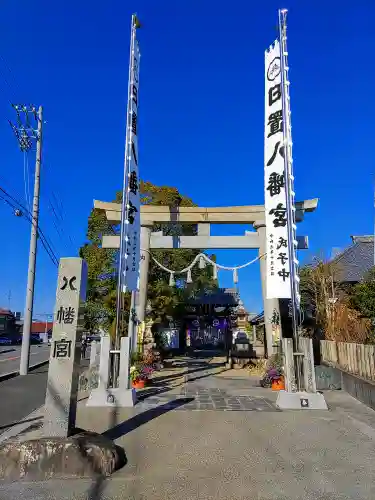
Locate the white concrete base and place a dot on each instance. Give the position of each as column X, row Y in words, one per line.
column 301, row 401
column 112, row 398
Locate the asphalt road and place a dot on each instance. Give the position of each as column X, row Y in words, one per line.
column 10, row 356
column 20, row 396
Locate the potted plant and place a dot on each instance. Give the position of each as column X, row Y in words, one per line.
column 149, row 357
column 277, row 379
column 136, row 357
column 273, row 376
column 146, row 372
column 136, row 377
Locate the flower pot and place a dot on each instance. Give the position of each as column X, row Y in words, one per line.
column 138, row 384
column 278, row 384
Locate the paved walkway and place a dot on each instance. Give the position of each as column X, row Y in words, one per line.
column 202, row 435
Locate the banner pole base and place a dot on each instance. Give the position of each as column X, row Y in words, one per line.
column 301, row 400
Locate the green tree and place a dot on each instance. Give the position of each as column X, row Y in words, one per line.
column 101, row 273
column 327, row 305
column 165, row 301
column 363, row 296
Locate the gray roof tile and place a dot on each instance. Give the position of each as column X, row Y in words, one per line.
column 355, row 261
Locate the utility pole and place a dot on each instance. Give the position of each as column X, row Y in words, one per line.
column 26, row 133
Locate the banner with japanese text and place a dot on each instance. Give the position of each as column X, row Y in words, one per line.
column 277, row 258
column 132, row 225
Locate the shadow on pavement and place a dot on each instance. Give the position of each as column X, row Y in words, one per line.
column 157, row 389
column 207, row 353
column 6, row 351
column 202, row 367
column 141, row 419
column 37, row 370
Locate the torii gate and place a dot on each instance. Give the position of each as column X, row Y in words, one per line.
column 203, row 217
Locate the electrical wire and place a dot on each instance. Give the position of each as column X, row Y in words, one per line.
column 58, row 223
column 41, row 235
column 57, row 212
column 15, row 84
column 43, row 239
column 26, row 179
column 26, row 211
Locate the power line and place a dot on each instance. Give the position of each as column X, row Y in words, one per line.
column 28, row 216
column 56, row 209
column 26, row 179
column 16, row 208
column 26, row 210
column 43, row 240
column 58, row 222
column 6, row 80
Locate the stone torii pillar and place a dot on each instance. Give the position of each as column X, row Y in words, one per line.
column 270, row 306
column 141, row 295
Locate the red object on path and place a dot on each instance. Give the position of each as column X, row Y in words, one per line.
column 138, row 384
column 278, row 384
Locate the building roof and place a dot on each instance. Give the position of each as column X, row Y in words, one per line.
column 221, row 296
column 6, row 311
column 355, row 262
column 40, row 326
column 257, row 319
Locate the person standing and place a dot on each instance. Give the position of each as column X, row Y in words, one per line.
column 83, row 348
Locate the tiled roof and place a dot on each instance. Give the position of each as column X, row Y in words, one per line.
column 40, row 326
column 259, row 318
column 5, row 311
column 355, row 261
column 221, row 296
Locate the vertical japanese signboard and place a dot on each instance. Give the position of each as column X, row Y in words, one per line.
column 278, row 266
column 130, row 245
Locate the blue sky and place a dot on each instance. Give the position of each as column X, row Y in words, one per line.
column 201, row 116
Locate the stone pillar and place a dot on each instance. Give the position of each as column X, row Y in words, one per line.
column 121, row 396
column 254, row 334
column 124, row 380
column 141, row 295
column 65, row 356
column 306, row 347
column 93, row 353
column 270, row 306
column 289, row 369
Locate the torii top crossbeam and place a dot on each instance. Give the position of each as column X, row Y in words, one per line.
column 248, row 214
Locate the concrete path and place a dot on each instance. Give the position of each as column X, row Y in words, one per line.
column 214, row 437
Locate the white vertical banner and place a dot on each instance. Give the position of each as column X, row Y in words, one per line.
column 277, row 259
column 132, row 224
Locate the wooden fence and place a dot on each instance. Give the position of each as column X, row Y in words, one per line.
column 358, row 359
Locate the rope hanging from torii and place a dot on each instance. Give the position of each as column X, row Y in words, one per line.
column 202, row 258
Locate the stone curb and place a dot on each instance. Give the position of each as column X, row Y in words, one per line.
column 22, row 426
column 82, row 455
column 7, row 376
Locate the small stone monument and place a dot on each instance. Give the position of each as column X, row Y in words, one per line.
column 291, row 398
column 93, row 353
column 121, row 396
column 65, row 356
